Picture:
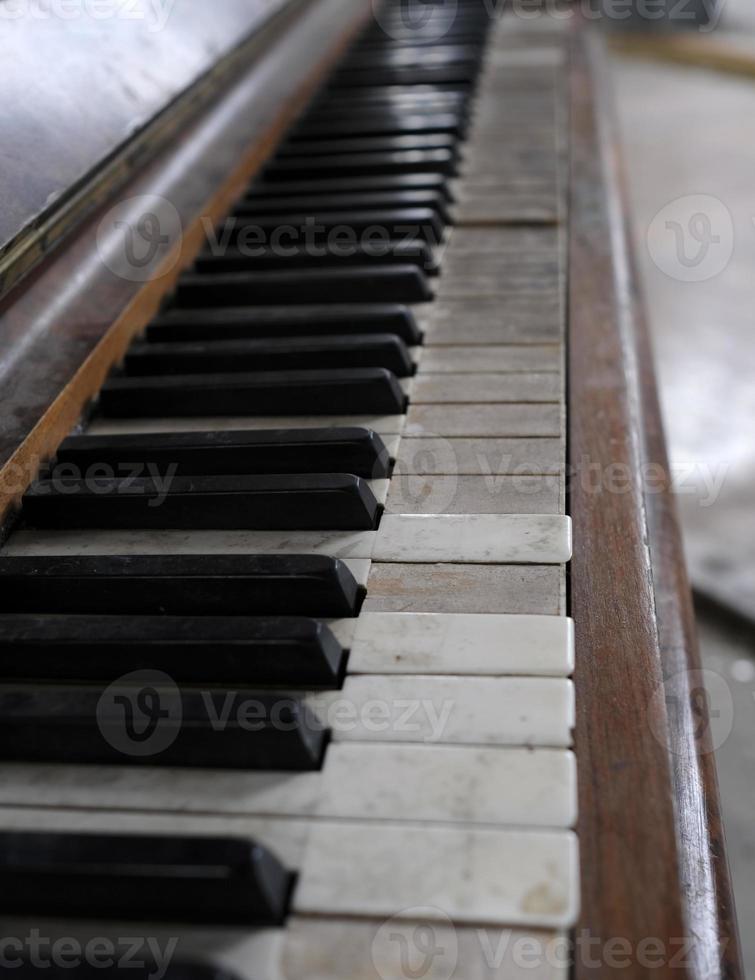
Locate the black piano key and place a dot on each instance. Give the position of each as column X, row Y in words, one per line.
column 357, row 284
column 273, row 354
column 264, row 191
column 385, row 123
column 150, row 724
column 285, row 321
column 363, row 164
column 336, row 229
column 347, row 201
column 221, row 650
column 368, row 144
column 356, row 391
column 285, row 502
column 330, row 450
column 186, row 729
column 180, row 585
column 196, row 880
column 322, row 258
column 456, row 76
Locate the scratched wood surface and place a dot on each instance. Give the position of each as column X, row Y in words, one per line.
column 653, row 860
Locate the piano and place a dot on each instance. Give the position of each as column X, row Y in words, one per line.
column 344, row 626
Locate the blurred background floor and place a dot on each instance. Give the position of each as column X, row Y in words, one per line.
column 689, row 145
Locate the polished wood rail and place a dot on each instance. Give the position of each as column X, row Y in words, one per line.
column 656, row 895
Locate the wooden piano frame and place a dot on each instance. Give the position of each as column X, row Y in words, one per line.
column 653, row 856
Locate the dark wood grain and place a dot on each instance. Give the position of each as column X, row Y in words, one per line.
column 63, row 327
column 653, row 856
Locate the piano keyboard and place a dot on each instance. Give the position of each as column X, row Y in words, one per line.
column 284, row 642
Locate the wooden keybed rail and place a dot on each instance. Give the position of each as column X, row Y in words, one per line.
column 653, row 856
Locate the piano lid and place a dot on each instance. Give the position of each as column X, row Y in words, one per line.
column 81, row 78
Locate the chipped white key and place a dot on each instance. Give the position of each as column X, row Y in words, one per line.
column 449, row 710
column 382, row 424
column 500, row 877
column 458, row 643
column 434, row 783
column 478, row 538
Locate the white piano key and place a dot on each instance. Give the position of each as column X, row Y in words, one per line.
column 412, row 493
column 458, row 643
column 337, row 544
column 483, row 538
column 535, row 319
column 439, row 783
column 504, row 877
column 491, row 458
column 324, row 948
column 501, row 358
column 526, row 711
column 500, row 877
column 353, row 546
column 382, row 424
column 482, row 421
column 456, row 588
column 377, row 949
column 487, row 388
column 432, row 783
column 286, row 837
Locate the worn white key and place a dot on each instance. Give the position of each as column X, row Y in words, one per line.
column 456, row 588
column 501, row 358
column 500, row 877
column 484, row 538
column 491, row 388
column 504, row 877
column 433, row 783
column 531, row 711
column 337, row 544
column 382, row 424
column 524, row 320
column 380, row 949
column 319, row 948
column 483, row 421
column 489, row 458
column 286, row 837
column 458, row 643
column 463, row 494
